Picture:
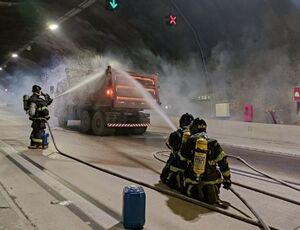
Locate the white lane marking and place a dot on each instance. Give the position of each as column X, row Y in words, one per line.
column 99, row 216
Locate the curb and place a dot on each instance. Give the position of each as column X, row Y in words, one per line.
column 260, row 150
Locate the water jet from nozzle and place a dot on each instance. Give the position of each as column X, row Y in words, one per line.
column 89, row 79
column 148, row 98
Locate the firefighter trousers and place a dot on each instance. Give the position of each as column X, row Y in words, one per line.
column 208, row 193
column 38, row 132
column 172, row 177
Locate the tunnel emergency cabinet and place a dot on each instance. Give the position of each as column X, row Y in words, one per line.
column 297, row 100
column 248, row 112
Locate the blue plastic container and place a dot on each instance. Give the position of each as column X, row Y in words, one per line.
column 46, row 139
column 134, row 207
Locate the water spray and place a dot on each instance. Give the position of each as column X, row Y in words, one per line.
column 147, row 96
column 89, row 79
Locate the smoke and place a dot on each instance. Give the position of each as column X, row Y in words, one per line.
column 16, row 85
column 262, row 71
column 296, row 3
column 179, row 81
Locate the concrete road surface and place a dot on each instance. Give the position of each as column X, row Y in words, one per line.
column 54, row 192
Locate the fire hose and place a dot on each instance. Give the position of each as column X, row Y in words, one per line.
column 263, row 173
column 162, row 190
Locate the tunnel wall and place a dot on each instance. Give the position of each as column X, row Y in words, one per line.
column 271, row 132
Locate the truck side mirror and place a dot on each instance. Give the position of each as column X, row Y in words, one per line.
column 52, row 91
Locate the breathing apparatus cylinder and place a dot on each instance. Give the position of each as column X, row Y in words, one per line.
column 32, row 109
column 185, row 136
column 200, row 156
column 26, row 103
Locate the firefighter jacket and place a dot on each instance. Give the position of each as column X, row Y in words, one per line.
column 38, row 109
column 214, row 156
column 176, row 160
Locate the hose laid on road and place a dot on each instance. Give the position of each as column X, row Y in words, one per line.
column 263, row 173
column 266, row 227
column 161, row 190
column 259, row 176
column 162, row 152
column 267, row 193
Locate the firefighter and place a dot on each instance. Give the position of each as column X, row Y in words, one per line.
column 202, row 178
column 176, row 164
column 38, row 113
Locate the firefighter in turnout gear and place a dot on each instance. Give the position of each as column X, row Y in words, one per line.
column 37, row 108
column 172, row 172
column 202, row 178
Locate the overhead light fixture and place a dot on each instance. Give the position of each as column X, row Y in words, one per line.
column 1, row 68
column 14, row 55
column 53, row 26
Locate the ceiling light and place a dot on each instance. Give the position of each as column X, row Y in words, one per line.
column 53, row 26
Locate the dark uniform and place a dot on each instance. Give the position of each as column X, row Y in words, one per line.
column 202, row 178
column 176, row 163
column 38, row 114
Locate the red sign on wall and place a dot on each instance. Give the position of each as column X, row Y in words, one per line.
column 297, row 94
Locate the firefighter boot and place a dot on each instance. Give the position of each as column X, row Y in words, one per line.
column 32, row 145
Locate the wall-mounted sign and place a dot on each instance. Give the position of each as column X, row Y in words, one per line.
column 297, row 94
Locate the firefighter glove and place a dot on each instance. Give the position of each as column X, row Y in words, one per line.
column 226, row 183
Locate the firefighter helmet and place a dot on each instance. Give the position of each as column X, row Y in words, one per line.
column 185, row 120
column 198, row 126
column 36, row 89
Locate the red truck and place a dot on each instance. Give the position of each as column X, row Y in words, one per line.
column 108, row 104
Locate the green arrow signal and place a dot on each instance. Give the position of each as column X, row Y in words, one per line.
column 113, row 4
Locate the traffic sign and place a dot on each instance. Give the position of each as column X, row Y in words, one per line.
column 173, row 20
column 297, row 94
column 112, row 4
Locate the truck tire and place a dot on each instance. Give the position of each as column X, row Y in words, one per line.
column 85, row 121
column 98, row 124
column 62, row 122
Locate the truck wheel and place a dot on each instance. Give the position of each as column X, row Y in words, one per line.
column 98, row 124
column 85, row 119
column 62, row 122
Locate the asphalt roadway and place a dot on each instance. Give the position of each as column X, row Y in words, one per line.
column 133, row 156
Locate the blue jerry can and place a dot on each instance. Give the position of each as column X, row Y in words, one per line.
column 46, row 139
column 134, row 207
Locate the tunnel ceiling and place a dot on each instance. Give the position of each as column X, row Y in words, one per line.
column 143, row 25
